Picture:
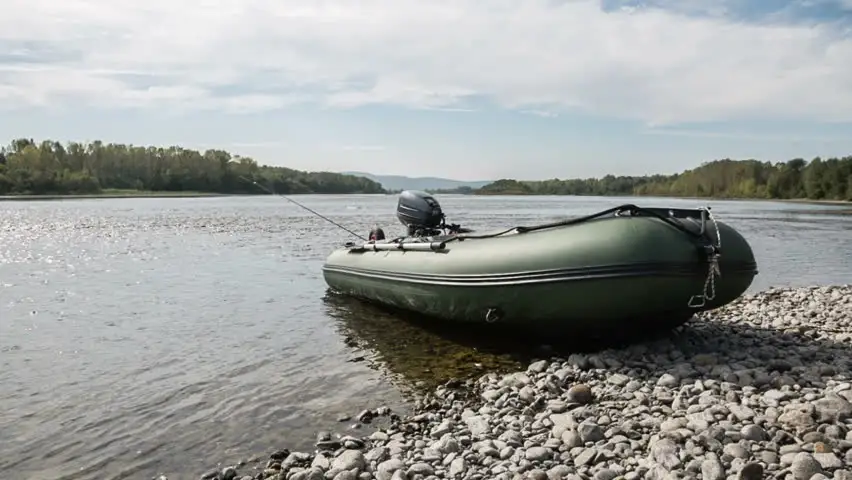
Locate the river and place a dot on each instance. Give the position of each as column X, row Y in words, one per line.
column 148, row 336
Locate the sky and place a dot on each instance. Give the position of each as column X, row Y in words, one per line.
column 465, row 89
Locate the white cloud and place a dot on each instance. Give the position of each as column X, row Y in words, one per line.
column 537, row 55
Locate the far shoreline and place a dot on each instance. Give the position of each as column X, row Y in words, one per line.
column 801, row 201
column 110, row 195
column 839, row 203
column 722, row 199
column 148, row 194
column 128, row 194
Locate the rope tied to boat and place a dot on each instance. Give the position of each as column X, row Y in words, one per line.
column 713, row 270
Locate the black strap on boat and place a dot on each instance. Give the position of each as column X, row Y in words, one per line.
column 633, row 209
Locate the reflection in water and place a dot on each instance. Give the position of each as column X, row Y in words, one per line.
column 418, row 352
column 412, row 350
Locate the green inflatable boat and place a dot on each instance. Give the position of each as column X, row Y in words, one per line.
column 624, row 268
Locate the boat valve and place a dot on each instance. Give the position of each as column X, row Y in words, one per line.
column 493, row 314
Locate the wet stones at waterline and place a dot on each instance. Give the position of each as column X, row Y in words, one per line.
column 759, row 389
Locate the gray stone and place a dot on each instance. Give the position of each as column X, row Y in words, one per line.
column 832, row 408
column 321, row 461
column 741, row 412
column 799, row 417
column 804, row 466
column 420, row 468
column 828, row 460
column 387, row 468
column 457, row 467
column 302, row 474
column 538, row 367
column 346, row 475
column 349, row 459
column 571, row 439
column 585, row 457
column 735, row 450
column 668, row 380
column 228, row 473
column 537, row 454
column 605, row 474
column 590, row 432
column 754, row 433
column 664, row 452
column 558, row 472
column 537, row 474
column 712, row 468
column 751, row 471
column 580, row 394
column 478, row 425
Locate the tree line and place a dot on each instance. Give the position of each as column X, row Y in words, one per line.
column 819, row 179
column 49, row 167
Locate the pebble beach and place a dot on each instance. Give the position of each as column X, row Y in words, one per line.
column 760, row 388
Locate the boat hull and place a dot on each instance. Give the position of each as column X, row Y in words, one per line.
column 617, row 272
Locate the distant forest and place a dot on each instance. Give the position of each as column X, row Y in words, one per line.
column 818, row 179
column 50, row 167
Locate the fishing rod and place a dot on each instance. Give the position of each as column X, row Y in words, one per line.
column 302, row 206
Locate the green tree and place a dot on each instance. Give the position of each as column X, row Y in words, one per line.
column 726, row 178
column 49, row 167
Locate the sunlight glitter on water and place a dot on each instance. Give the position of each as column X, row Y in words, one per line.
column 197, row 330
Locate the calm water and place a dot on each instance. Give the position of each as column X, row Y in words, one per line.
column 147, row 336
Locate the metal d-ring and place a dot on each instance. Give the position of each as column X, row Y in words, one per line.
column 493, row 314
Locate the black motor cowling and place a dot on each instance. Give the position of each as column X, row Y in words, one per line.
column 419, row 211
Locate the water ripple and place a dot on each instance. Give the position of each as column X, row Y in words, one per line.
column 148, row 336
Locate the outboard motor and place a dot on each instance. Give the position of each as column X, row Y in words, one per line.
column 420, row 212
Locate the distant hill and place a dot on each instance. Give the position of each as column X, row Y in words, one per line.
column 401, row 182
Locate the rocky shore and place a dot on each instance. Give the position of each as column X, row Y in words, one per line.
column 756, row 390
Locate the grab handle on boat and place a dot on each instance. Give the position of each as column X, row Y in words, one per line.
column 703, row 221
column 409, row 246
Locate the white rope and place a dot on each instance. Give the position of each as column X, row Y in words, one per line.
column 709, row 292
